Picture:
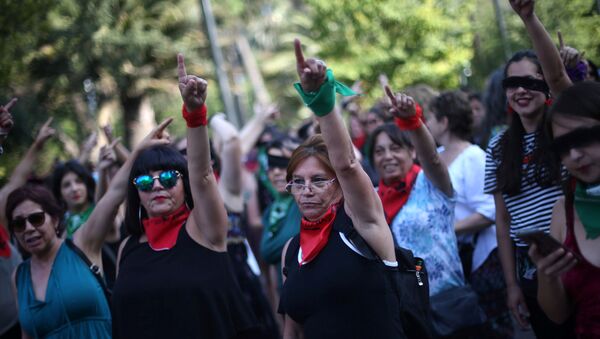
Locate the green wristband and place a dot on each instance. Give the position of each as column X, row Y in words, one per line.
column 322, row 101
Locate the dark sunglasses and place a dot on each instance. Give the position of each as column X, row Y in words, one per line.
column 529, row 83
column 580, row 137
column 275, row 161
column 167, row 179
column 36, row 219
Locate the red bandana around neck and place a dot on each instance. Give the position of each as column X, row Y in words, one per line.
column 395, row 195
column 315, row 234
column 162, row 231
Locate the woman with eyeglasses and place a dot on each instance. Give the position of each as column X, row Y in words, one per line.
column 175, row 278
column 58, row 294
column 330, row 289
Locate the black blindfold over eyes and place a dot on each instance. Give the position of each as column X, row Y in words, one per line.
column 580, row 137
column 529, row 83
column 274, row 161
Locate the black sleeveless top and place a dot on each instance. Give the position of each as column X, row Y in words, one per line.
column 188, row 291
column 339, row 294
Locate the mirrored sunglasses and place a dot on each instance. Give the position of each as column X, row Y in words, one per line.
column 168, row 179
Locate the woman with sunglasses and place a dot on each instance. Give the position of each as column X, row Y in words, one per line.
column 521, row 173
column 331, row 290
column 175, row 278
column 57, row 293
column 569, row 277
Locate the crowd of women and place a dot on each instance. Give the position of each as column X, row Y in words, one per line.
column 263, row 233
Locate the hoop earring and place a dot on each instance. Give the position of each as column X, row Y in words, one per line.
column 186, row 205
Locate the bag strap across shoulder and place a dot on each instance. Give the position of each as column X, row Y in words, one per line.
column 95, row 269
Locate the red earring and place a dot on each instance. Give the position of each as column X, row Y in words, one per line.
column 510, row 110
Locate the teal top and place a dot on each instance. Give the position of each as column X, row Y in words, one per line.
column 281, row 221
column 74, row 307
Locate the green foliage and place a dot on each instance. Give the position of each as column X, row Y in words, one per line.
column 127, row 49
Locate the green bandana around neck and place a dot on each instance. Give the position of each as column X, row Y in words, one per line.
column 278, row 211
column 322, row 101
column 75, row 220
column 588, row 210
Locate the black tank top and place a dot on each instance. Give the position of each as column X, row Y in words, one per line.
column 188, row 291
column 339, row 294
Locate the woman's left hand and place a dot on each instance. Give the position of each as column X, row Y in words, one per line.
column 193, row 89
column 311, row 71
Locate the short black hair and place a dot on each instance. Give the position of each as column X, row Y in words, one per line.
column 157, row 158
column 63, row 168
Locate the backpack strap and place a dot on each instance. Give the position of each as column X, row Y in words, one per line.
column 95, row 269
column 343, row 224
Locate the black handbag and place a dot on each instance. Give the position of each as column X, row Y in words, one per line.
column 409, row 282
column 456, row 309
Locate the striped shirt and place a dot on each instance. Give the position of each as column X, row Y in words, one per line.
column 532, row 207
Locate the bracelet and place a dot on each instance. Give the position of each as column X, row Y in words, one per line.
column 196, row 117
column 412, row 123
column 322, row 101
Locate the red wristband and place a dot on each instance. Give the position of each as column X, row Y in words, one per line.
column 196, row 117
column 412, row 123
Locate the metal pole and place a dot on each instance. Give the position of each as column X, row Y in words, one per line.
column 223, row 80
column 502, row 28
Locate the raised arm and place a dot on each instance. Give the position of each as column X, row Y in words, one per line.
column 552, row 65
column 25, row 167
column 6, row 119
column 362, row 202
column 106, row 160
column 208, row 222
column 227, row 141
column 86, row 150
column 253, row 128
column 91, row 236
column 120, row 150
column 404, row 108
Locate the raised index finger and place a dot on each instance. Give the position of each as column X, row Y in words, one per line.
column 181, row 72
column 10, row 104
column 390, row 95
column 299, row 54
column 48, row 122
column 161, row 127
column 560, row 40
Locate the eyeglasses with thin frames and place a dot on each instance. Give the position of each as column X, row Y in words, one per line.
column 298, row 186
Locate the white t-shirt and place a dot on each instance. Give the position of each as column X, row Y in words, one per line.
column 467, row 173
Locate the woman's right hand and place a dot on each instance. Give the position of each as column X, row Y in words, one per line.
column 554, row 265
column 516, row 303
